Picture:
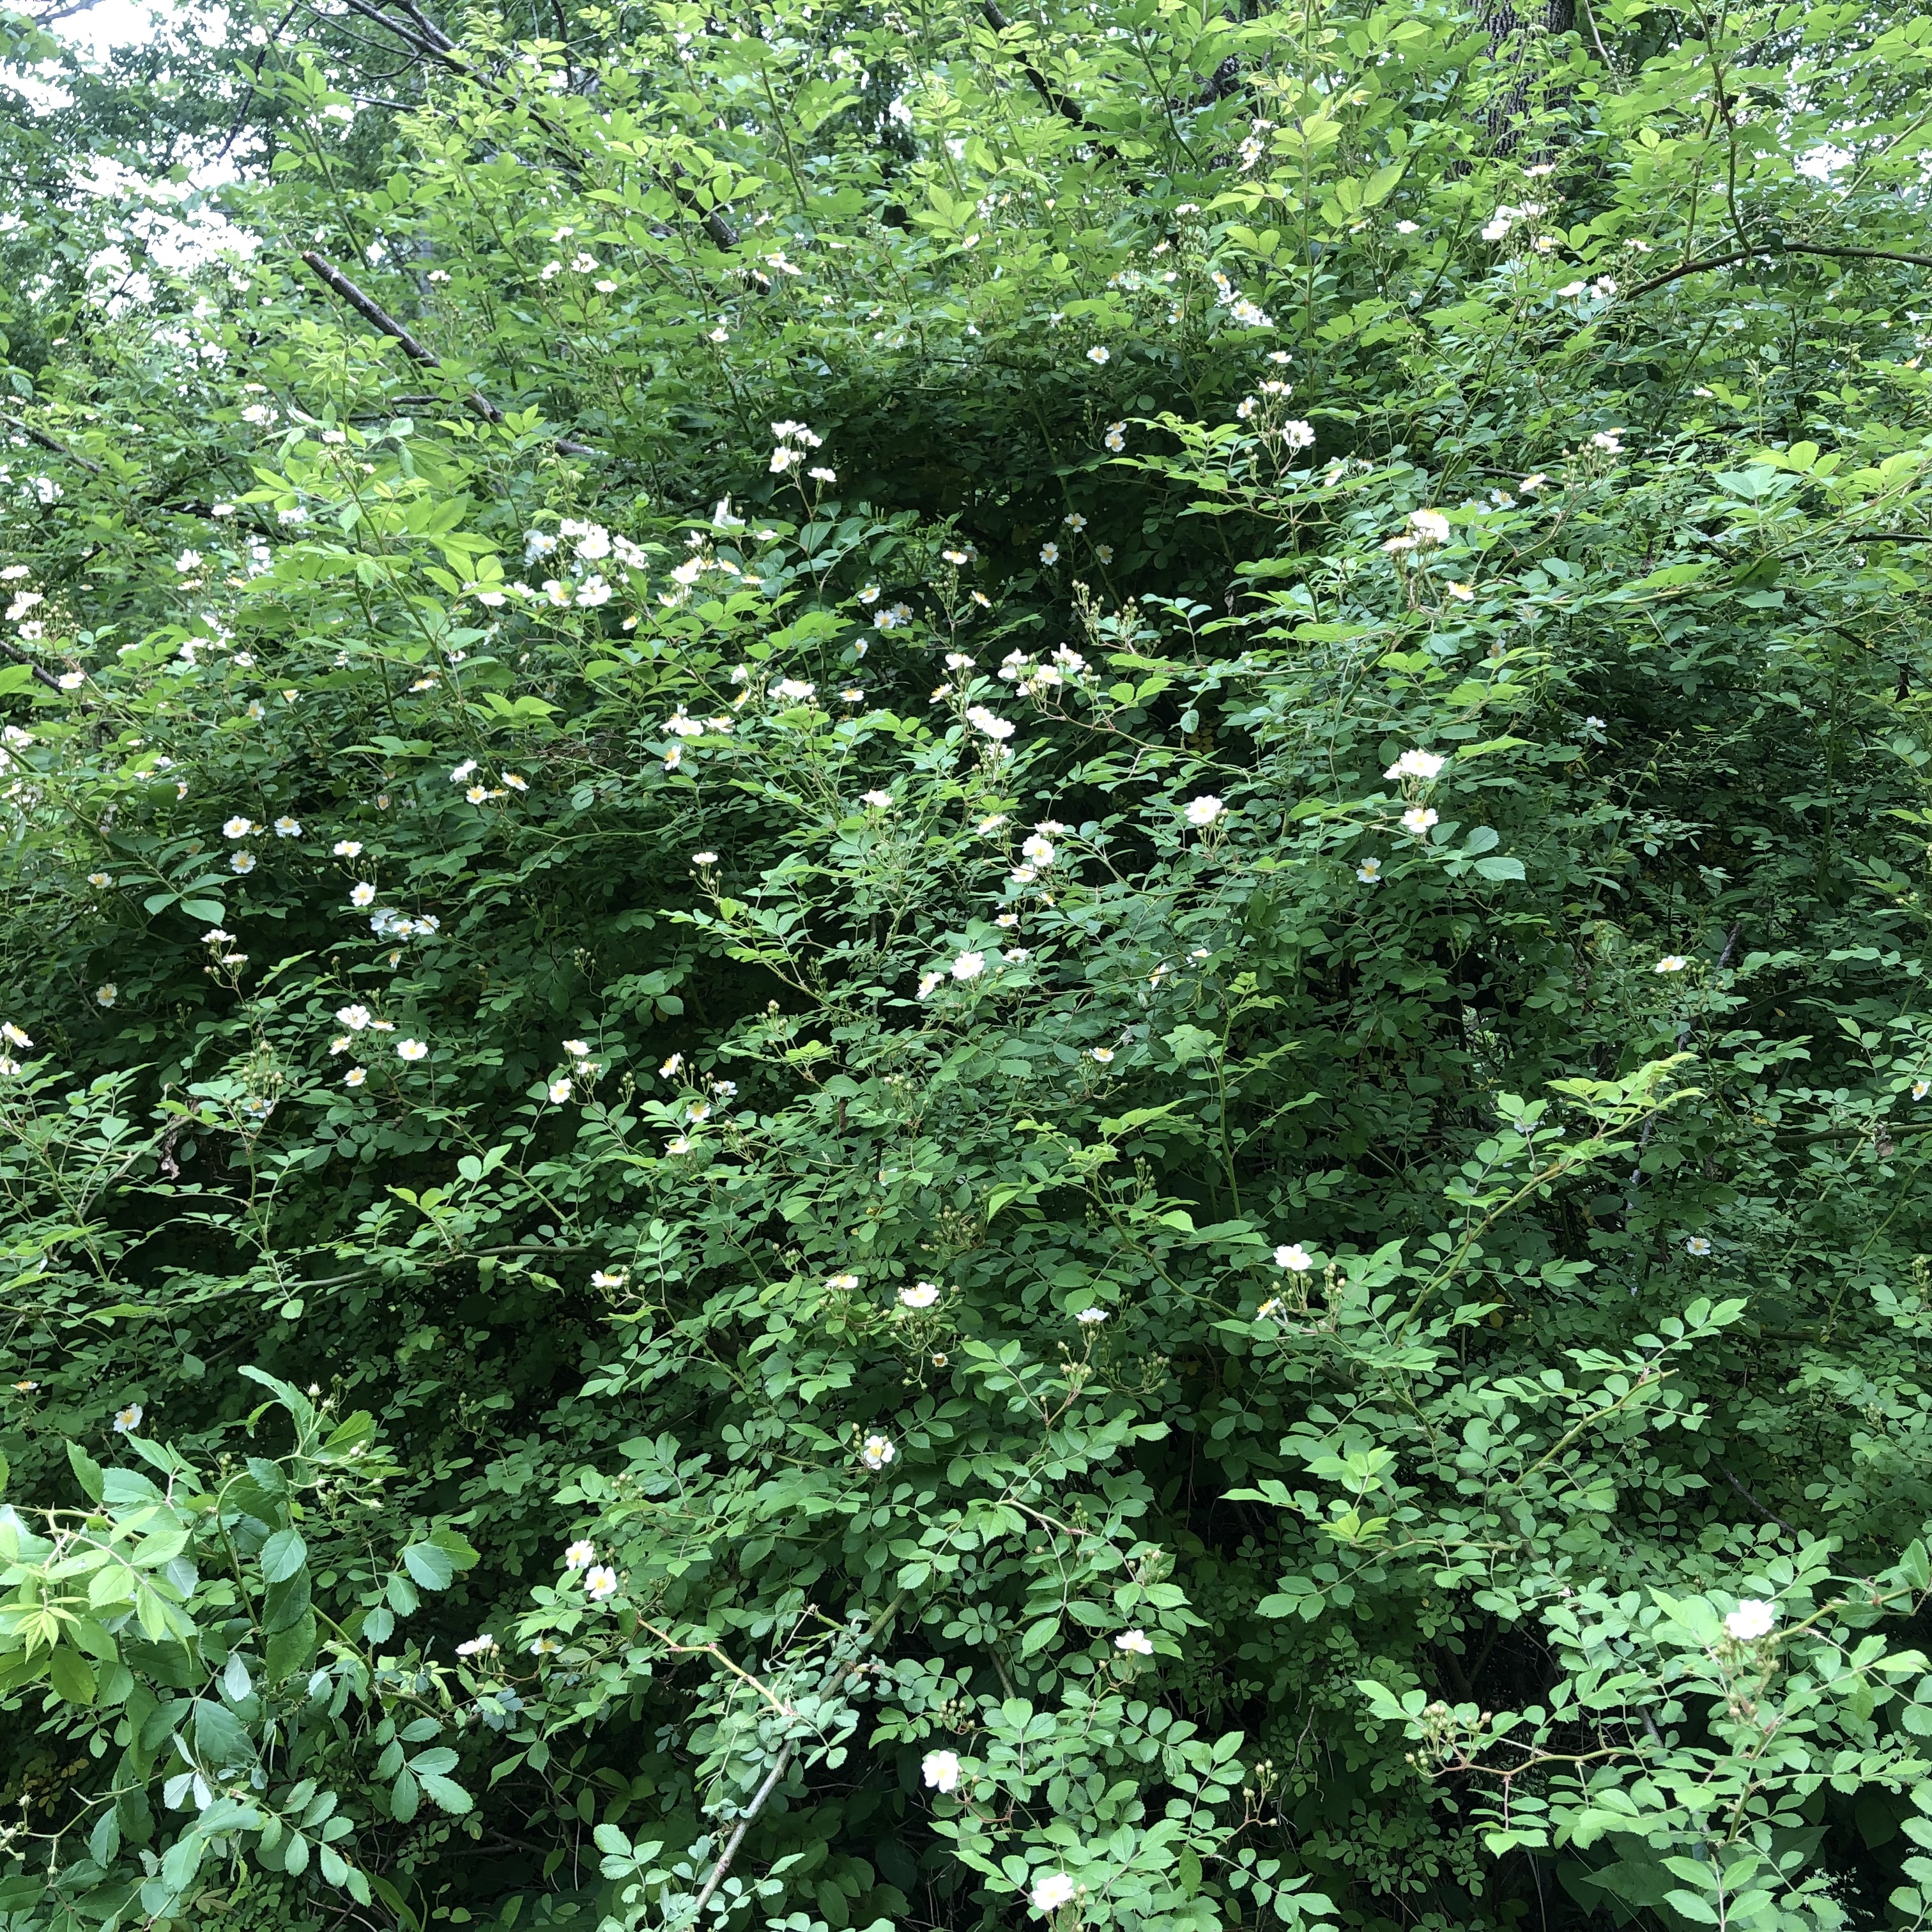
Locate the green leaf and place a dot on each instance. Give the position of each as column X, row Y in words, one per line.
column 282, row 1556
column 431, row 1565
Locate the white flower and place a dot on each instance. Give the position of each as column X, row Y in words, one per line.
column 1091, row 1317
column 1405, row 227
column 941, row 1770
column 362, row 893
column 99, row 879
column 1608, row 440
column 243, row 862
column 580, row 1556
column 921, row 1295
column 354, row 1018
column 876, row 1452
column 793, row 691
column 845, row 1281
column 1202, row 812
column 968, row 966
column 1052, row 1891
column 560, row 1090
column 1752, row 1619
column 1039, row 850
column 238, row 828
column 1104, row 1054
column 72, row 680
column 1293, row 1256
column 1414, row 765
column 1463, row 593
column 288, row 828
column 1920, row 1088
column 672, row 1067
column 1418, row 819
column 600, row 1582
column 1697, row 1245
column 1671, row 962
column 294, row 513
column 1135, row 1643
column 820, row 474
column 1098, row 354
column 107, row 994
column 1369, row 871
column 704, row 858
column 1429, row 527
column 189, row 559
column 544, row 1646
column 603, row 1278
column 126, row 1420
column 477, row 1646
column 1116, row 438
column 1049, row 553
column 355, row 1076
column 879, row 801
column 411, row 1049
column 13, row 1034
column 995, row 727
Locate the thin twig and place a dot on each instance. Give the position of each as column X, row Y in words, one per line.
column 745, row 1821
column 47, row 441
column 1769, row 1515
column 1731, row 261
column 372, row 312
column 46, row 676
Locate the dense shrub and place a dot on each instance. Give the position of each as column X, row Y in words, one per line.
column 966, row 972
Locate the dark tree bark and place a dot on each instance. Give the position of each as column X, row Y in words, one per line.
column 1516, row 33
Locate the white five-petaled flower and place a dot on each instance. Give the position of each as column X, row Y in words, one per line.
column 99, row 879
column 107, row 994
column 1753, row 1618
column 1049, row 553
column 845, row 1281
column 1091, row 1317
column 1671, row 962
column 560, row 1090
column 238, row 827
column 1104, row 1054
column 1293, row 1256
column 127, row 1420
column 1369, row 871
column 1134, row 1642
column 1415, row 764
column 243, row 862
column 1698, row 1245
column 672, row 1067
column 477, row 1646
column 921, row 1295
column 1099, row 353
column 969, row 966
column 1920, row 1088
column 577, row 1048
column 1116, row 438
column 362, row 893
column 1038, row 850
column 348, row 848
column 876, row 1452
column 354, row 1018
column 879, row 801
column 1429, row 526
column 1050, row 1893
column 1418, row 819
column 13, row 1035
column 355, row 1076
column 994, row 727
column 600, row 1582
column 411, row 1049
column 605, row 1278
column 1202, row 812
column 580, row 1556
column 941, row 1770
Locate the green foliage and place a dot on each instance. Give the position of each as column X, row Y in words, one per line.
column 1042, row 904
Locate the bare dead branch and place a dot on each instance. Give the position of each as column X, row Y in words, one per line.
column 1731, row 260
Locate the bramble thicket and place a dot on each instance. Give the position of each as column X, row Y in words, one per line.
column 966, row 968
